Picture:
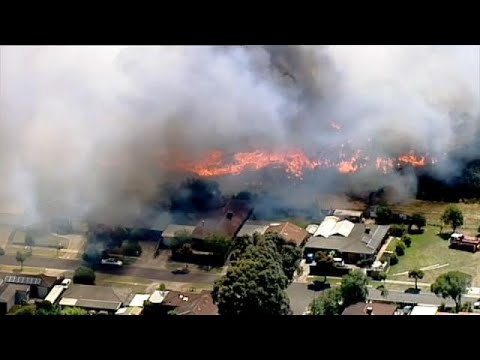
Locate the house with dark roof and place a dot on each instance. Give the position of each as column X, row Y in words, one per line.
column 362, row 308
column 228, row 221
column 40, row 285
column 289, row 232
column 11, row 294
column 352, row 241
column 184, row 303
column 96, row 298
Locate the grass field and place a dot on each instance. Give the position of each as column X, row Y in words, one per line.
column 433, row 211
column 430, row 249
column 48, row 240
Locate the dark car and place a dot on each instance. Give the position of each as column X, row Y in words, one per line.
column 318, row 285
column 181, row 271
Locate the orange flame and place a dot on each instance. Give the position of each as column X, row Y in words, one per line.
column 295, row 162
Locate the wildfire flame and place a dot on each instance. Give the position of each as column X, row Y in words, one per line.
column 295, row 162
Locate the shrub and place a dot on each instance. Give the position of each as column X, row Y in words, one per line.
column 162, row 287
column 467, row 307
column 400, row 248
column 397, row 230
column 2, row 252
column 393, row 259
column 407, row 240
column 131, row 248
column 84, row 275
column 364, row 262
column 378, row 275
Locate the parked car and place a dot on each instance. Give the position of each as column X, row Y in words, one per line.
column 66, row 283
column 111, row 261
column 476, row 304
column 182, row 270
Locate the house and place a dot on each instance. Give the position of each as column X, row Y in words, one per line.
column 171, row 230
column 11, row 294
column 130, row 311
column 138, row 300
column 289, row 232
column 40, row 285
column 183, row 303
column 227, row 222
column 362, row 308
column 424, row 310
column 352, row 241
column 351, row 215
column 96, row 298
column 251, row 227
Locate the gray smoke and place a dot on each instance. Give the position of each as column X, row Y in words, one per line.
column 89, row 130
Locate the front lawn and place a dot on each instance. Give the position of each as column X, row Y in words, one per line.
column 48, row 240
column 429, row 249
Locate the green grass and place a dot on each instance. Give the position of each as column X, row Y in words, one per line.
column 392, row 244
column 48, row 240
column 429, row 249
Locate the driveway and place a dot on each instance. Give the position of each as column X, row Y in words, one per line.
column 300, row 297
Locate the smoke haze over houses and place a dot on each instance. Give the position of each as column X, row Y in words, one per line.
column 87, row 130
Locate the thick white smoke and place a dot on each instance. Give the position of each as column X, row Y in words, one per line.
column 87, row 129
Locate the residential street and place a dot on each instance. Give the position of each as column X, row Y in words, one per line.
column 129, row 270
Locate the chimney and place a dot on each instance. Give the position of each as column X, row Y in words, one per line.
column 369, row 310
column 367, row 230
column 229, row 215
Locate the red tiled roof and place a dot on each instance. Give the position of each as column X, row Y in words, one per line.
column 290, row 232
column 378, row 309
column 191, row 303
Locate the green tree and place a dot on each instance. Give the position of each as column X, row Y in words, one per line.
column 419, row 220
column 452, row 216
column 84, row 275
column 26, row 310
column 254, row 285
column 162, row 287
column 354, row 288
column 400, row 248
column 452, row 284
column 324, row 263
column 21, row 257
column 290, row 253
column 384, row 215
column 29, row 241
column 407, row 240
column 240, row 245
column 217, row 244
column 73, row 311
column 416, row 274
column 181, row 238
column 329, row 303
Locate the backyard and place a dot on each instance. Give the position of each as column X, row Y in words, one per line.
column 431, row 253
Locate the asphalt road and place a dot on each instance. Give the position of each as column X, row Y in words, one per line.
column 128, row 270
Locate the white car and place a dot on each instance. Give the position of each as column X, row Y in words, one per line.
column 476, row 304
column 66, row 283
column 111, row 261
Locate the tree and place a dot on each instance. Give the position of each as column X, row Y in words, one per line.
column 416, row 274
column 452, row 284
column 384, row 215
column 73, row 311
column 217, row 244
column 407, row 240
column 162, row 287
column 26, row 310
column 131, row 248
column 254, row 285
column 452, row 216
column 84, row 275
column 383, row 290
column 196, row 195
column 400, row 248
column 290, row 253
column 329, row 303
column 21, row 257
column 354, row 288
column 419, row 220
column 181, row 238
column 29, row 241
column 324, row 263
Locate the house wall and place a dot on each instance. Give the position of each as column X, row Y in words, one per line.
column 42, row 292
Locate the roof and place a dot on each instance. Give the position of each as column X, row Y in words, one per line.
column 191, row 303
column 35, row 280
column 348, row 213
column 157, row 296
column 159, row 222
column 139, row 299
column 129, row 311
column 424, row 310
column 228, row 222
column 332, row 225
column 406, row 298
column 55, row 293
column 95, row 297
column 312, row 228
column 8, row 291
column 251, row 227
column 290, row 232
column 378, row 309
column 171, row 230
column 358, row 241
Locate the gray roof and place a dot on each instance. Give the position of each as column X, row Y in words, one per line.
column 8, row 291
column 96, row 297
column 357, row 242
column 252, row 227
column 172, row 229
column 401, row 297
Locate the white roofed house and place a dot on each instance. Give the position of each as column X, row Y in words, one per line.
column 353, row 241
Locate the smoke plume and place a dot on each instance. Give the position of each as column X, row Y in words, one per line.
column 94, row 130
